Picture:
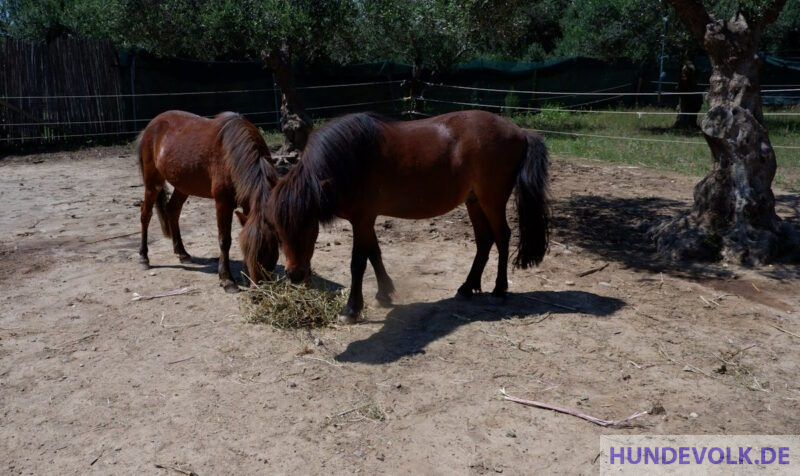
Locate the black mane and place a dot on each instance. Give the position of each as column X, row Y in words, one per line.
column 254, row 176
column 333, row 167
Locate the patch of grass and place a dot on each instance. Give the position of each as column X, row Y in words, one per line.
column 284, row 305
column 273, row 137
column 681, row 151
column 369, row 410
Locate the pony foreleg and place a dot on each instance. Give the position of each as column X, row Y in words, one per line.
column 224, row 220
column 355, row 303
column 365, row 246
column 174, row 207
column 150, row 196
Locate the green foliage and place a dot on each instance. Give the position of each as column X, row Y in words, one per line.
column 632, row 29
column 783, row 37
column 614, row 29
column 438, row 33
column 435, row 33
column 511, row 100
column 233, row 29
column 684, row 151
column 202, row 29
column 44, row 19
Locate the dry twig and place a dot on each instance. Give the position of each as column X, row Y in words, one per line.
column 76, row 341
column 174, row 292
column 593, row 270
column 179, row 361
column 687, row 367
column 560, row 306
column 187, row 472
column 567, row 411
column 112, row 238
column 784, row 331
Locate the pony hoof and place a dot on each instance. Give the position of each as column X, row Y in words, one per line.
column 384, row 299
column 230, row 287
column 465, row 293
column 144, row 264
column 347, row 319
column 347, row 316
column 185, row 259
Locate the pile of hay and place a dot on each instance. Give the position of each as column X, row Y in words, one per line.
column 284, row 305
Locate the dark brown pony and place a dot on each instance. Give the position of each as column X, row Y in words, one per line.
column 224, row 158
column 361, row 165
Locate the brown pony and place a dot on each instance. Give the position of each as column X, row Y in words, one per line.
column 361, row 165
column 224, row 158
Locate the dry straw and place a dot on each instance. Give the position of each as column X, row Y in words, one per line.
column 284, row 305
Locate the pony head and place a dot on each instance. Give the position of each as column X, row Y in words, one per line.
column 259, row 246
column 296, row 223
column 332, row 168
column 254, row 176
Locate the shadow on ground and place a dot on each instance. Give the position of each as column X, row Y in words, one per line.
column 616, row 229
column 408, row 329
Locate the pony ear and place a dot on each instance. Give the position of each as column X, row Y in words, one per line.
column 241, row 216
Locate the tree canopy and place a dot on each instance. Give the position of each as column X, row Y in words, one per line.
column 435, row 32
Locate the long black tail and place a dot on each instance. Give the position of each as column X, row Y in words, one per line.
column 163, row 195
column 533, row 204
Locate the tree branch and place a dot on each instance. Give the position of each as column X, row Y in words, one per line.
column 694, row 15
column 771, row 13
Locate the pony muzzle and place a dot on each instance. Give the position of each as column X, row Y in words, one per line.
column 298, row 275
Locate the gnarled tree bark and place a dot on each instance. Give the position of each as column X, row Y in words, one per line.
column 733, row 216
column 295, row 123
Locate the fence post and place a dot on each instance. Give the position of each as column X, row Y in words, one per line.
column 133, row 90
column 277, row 106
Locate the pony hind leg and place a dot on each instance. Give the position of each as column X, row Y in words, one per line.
column 484, row 238
column 174, row 207
column 502, row 234
column 152, row 193
column 224, row 220
column 385, row 284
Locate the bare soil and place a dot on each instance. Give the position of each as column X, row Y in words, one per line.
column 92, row 382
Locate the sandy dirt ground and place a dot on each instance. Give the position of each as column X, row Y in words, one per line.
column 92, row 382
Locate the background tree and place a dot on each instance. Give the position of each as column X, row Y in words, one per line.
column 48, row 19
column 734, row 208
column 434, row 35
column 623, row 29
column 275, row 31
column 783, row 37
column 428, row 34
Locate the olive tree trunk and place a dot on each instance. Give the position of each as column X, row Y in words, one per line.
column 295, row 123
column 733, row 216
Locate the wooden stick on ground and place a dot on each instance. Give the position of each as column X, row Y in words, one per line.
column 567, row 411
column 784, row 331
column 560, row 306
column 174, row 292
column 176, row 469
column 593, row 270
column 112, row 238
